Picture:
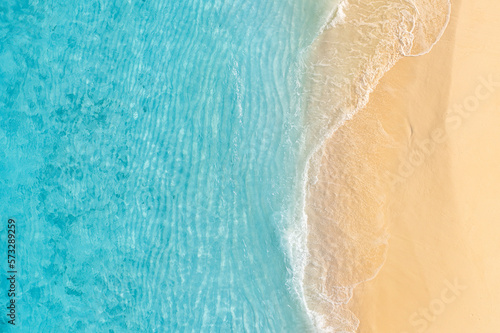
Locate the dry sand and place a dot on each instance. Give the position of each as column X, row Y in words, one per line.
column 420, row 164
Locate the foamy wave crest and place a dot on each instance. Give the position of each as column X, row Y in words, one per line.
column 360, row 42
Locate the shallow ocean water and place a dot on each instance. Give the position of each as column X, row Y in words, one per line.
column 149, row 157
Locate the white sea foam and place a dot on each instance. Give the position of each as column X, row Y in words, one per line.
column 338, row 16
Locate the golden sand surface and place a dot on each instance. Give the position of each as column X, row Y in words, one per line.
column 411, row 184
column 347, row 191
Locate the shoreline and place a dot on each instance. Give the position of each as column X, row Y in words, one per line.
column 404, row 201
column 407, row 94
column 347, row 232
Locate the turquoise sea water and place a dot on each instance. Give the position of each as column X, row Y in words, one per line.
column 149, row 157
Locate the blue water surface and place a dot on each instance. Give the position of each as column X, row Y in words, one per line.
column 148, row 153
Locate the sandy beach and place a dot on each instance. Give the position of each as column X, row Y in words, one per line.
column 412, row 184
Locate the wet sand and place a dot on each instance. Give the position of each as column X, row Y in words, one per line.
column 411, row 184
column 415, row 174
